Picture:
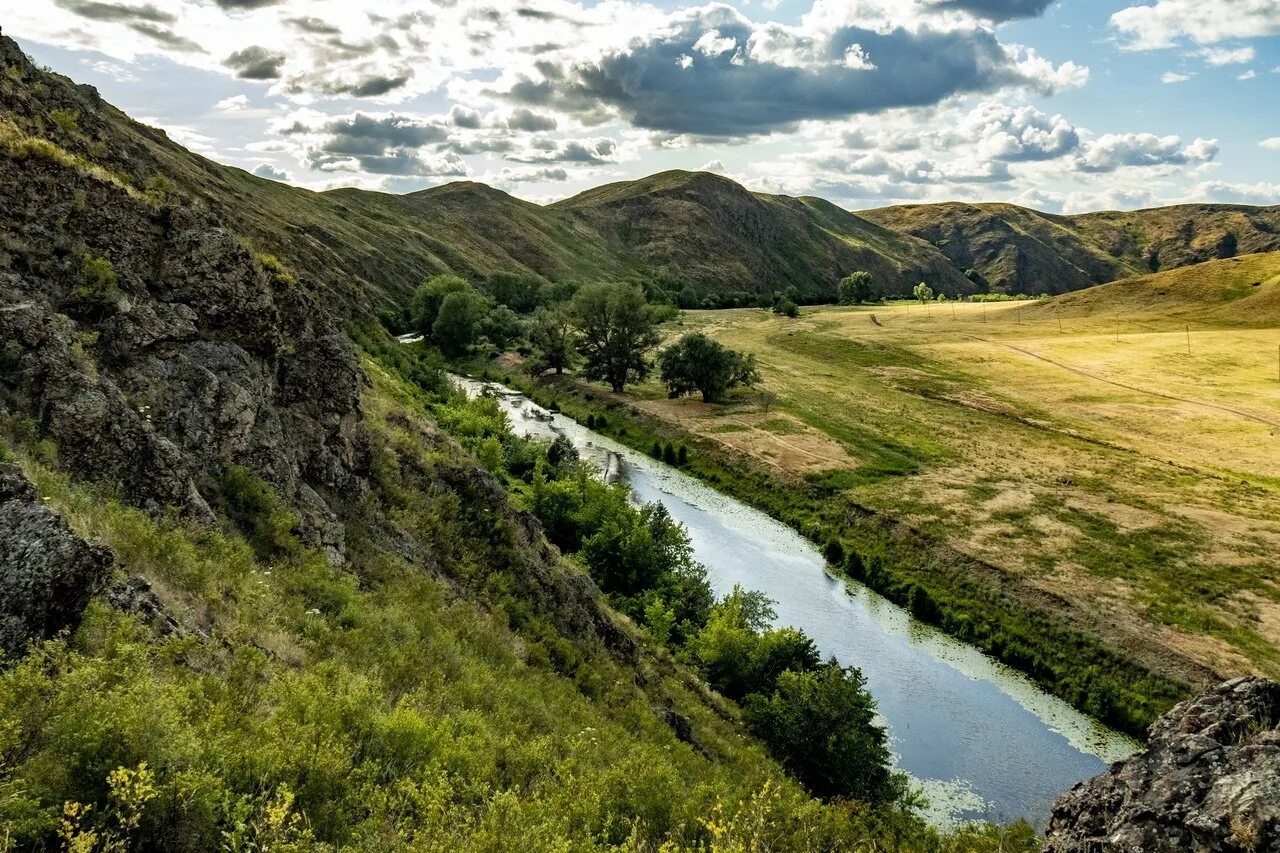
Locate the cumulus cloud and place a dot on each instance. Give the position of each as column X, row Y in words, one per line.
column 1164, row 23
column 996, row 10
column 1273, row 143
column 255, row 63
column 1174, row 77
column 271, row 173
column 1113, row 151
column 1238, row 193
column 526, row 119
column 529, row 176
column 144, row 19
column 386, row 144
column 712, row 72
column 1225, row 56
column 1019, row 134
column 235, row 103
column 600, row 149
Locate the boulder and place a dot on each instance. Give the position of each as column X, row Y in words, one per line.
column 1208, row 781
column 47, row 572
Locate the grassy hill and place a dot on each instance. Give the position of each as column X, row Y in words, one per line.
column 1228, row 293
column 715, row 234
column 1019, row 250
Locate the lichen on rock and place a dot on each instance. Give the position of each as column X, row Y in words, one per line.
column 1208, row 780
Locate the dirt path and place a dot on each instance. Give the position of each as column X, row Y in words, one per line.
column 1148, row 391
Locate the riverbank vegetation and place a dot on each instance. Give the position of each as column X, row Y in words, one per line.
column 445, row 693
column 937, row 584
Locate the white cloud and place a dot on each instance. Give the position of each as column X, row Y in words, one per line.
column 1218, row 57
column 1247, row 75
column 1273, row 143
column 235, row 103
column 1119, row 150
column 1237, row 193
column 1174, row 77
column 1164, row 23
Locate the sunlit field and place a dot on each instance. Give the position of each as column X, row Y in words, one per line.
column 1119, row 446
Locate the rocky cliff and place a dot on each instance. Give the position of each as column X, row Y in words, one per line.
column 1208, row 780
column 154, row 350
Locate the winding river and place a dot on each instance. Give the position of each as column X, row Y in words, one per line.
column 979, row 738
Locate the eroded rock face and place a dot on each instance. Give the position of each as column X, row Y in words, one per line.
column 1208, row 780
column 195, row 357
column 47, row 572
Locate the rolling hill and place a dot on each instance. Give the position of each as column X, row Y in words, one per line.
column 1239, row 292
column 691, row 230
column 1018, row 250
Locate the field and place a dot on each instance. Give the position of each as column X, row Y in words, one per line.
column 1116, row 449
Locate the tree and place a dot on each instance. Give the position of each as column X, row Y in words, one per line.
column 855, row 288
column 786, row 307
column 520, row 293
column 502, row 327
column 551, row 338
column 821, row 725
column 457, row 323
column 923, row 292
column 429, row 296
column 616, row 328
column 698, row 363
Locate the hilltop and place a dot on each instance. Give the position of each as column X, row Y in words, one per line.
column 1019, row 250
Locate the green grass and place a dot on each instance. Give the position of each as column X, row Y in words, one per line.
column 902, row 564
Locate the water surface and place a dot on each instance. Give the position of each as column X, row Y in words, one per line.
column 980, row 738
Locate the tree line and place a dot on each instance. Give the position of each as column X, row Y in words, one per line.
column 605, row 330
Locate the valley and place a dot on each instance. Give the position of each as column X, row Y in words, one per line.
column 1075, row 443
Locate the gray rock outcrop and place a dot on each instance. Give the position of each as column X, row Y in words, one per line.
column 47, row 572
column 1208, row 781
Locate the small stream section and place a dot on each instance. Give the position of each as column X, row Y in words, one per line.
column 979, row 737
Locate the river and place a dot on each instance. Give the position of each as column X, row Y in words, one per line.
column 978, row 737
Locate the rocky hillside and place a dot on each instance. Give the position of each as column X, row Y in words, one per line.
column 1017, row 250
column 1208, row 780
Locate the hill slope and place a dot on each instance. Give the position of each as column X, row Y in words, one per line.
column 1232, row 292
column 1019, row 250
column 716, row 235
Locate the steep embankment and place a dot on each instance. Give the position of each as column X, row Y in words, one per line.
column 1017, row 250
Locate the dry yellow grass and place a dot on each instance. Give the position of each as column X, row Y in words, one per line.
column 1076, row 441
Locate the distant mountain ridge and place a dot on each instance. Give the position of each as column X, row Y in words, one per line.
column 1019, row 250
column 694, row 231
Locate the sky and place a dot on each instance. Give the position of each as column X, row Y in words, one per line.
column 1064, row 106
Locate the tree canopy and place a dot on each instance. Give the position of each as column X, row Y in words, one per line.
column 855, row 288
column 457, row 323
column 698, row 363
column 923, row 292
column 551, row 339
column 616, row 328
column 430, row 295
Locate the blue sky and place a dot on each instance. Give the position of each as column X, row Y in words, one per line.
column 1064, row 106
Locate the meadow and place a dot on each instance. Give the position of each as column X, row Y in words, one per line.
column 1118, row 448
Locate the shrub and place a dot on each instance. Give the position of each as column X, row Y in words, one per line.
column 786, row 308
